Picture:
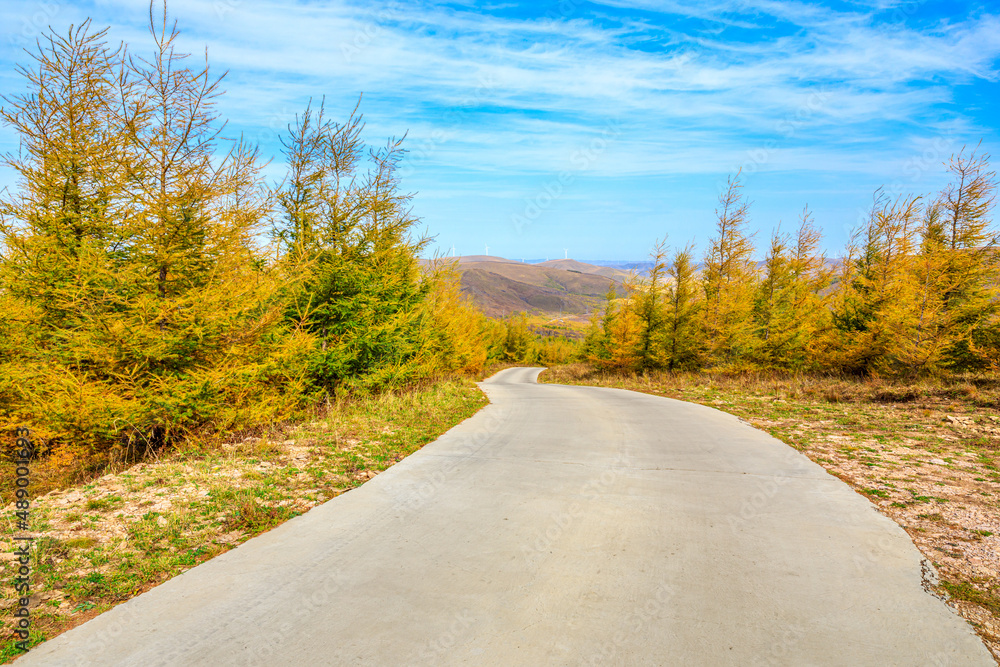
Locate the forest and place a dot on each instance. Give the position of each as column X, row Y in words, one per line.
column 914, row 294
column 155, row 285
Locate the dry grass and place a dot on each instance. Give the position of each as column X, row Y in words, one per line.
column 926, row 454
column 103, row 542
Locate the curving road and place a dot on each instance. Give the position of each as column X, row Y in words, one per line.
column 559, row 526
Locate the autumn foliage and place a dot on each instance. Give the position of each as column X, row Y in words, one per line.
column 153, row 284
column 915, row 293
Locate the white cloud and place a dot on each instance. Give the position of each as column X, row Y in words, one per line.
column 695, row 86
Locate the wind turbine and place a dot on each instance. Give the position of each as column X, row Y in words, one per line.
column 452, row 250
column 565, row 253
column 487, row 250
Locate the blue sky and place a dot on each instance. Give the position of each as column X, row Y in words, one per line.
column 599, row 127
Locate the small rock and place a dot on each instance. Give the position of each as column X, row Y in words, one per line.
column 229, row 538
column 161, row 521
column 939, row 462
column 37, row 599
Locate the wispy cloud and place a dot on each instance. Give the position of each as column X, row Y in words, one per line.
column 509, row 90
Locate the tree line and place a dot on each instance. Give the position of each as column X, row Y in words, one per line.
column 915, row 292
column 154, row 284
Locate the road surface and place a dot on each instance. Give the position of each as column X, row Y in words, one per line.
column 559, row 526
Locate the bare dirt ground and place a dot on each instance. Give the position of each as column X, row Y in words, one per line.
column 926, row 455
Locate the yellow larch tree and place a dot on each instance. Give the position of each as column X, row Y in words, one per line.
column 729, row 281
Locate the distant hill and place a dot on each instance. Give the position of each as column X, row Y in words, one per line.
column 500, row 286
column 472, row 259
column 566, row 288
column 582, row 267
column 638, row 266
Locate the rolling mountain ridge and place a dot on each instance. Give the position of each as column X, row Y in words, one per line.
column 500, row 286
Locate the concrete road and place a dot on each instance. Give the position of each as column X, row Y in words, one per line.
column 559, row 526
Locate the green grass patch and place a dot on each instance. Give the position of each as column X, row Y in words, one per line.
column 961, row 590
